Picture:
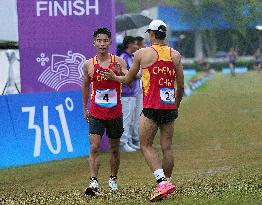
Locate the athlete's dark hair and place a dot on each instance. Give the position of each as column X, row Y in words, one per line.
column 102, row 30
column 160, row 33
column 128, row 40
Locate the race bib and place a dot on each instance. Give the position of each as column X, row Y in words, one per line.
column 106, row 98
column 167, row 96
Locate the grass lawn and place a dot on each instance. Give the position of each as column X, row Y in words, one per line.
column 217, row 149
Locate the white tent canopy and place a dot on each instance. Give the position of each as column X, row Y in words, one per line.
column 8, row 21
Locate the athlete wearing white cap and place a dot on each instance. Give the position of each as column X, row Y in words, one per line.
column 161, row 70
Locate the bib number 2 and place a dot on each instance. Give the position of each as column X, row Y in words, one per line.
column 106, row 98
column 167, row 96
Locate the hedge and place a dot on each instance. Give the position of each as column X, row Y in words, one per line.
column 219, row 66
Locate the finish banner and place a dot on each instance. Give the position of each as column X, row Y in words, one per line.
column 55, row 39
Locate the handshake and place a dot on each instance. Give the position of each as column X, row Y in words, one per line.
column 116, row 68
column 110, row 74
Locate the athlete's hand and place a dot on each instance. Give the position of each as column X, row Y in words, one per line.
column 116, row 67
column 108, row 74
column 86, row 116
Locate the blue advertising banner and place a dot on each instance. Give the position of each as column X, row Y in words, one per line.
column 47, row 126
column 237, row 70
column 8, row 151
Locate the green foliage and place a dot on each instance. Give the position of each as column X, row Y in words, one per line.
column 136, row 6
column 239, row 13
column 131, row 6
column 219, row 66
column 233, row 10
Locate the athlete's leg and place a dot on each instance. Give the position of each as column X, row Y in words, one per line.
column 96, row 130
column 115, row 130
column 114, row 156
column 165, row 187
column 94, row 161
column 259, row 67
column 148, row 129
column 166, row 135
column 232, row 68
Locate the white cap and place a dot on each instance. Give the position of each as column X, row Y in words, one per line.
column 155, row 24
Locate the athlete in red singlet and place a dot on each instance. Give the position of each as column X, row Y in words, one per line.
column 105, row 107
column 161, row 70
column 106, row 95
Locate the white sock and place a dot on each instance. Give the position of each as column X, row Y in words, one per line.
column 159, row 173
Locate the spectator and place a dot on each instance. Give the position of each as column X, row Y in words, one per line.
column 131, row 101
column 140, row 42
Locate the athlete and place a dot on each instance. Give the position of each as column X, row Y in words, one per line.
column 105, row 110
column 258, row 58
column 161, row 69
column 232, row 56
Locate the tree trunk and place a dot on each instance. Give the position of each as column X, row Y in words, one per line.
column 198, row 45
column 210, row 44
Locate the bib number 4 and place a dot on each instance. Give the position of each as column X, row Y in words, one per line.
column 167, row 96
column 106, row 98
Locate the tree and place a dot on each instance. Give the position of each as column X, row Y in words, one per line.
column 240, row 15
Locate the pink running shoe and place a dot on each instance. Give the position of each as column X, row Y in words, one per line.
column 162, row 191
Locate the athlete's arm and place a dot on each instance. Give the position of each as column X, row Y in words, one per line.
column 86, row 87
column 176, row 57
column 130, row 75
column 139, row 74
column 124, row 68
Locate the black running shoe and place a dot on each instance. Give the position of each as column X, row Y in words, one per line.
column 90, row 191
